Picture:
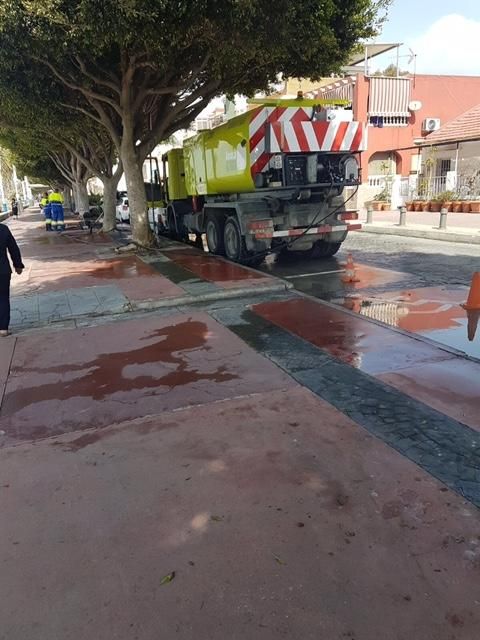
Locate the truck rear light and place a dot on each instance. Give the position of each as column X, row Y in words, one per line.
column 348, row 215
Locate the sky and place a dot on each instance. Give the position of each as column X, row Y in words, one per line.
column 444, row 35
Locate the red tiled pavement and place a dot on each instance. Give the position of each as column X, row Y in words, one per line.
column 97, row 376
column 137, row 280
column 425, row 372
column 279, row 516
column 224, row 274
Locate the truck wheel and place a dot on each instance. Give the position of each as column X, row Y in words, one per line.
column 235, row 248
column 214, row 232
column 322, row 249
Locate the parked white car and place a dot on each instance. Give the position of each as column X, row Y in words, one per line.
column 122, row 213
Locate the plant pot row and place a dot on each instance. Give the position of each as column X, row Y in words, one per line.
column 455, row 206
column 380, row 205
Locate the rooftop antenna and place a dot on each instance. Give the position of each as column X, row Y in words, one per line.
column 413, row 58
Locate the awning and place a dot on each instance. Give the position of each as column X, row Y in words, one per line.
column 389, row 96
column 371, row 50
column 339, row 90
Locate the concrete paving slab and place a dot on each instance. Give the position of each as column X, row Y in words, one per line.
column 96, row 376
column 54, row 306
column 278, row 515
column 25, row 311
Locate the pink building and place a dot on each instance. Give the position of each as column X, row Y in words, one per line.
column 401, row 113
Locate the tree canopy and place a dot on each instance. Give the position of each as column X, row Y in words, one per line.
column 144, row 69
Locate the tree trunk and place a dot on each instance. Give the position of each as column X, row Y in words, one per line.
column 75, row 198
column 81, row 197
column 67, row 199
column 137, row 200
column 109, row 202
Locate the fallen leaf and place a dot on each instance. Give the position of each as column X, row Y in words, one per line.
column 168, row 578
column 278, row 560
column 216, row 518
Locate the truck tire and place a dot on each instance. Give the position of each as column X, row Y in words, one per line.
column 322, row 249
column 176, row 230
column 214, row 233
column 235, row 248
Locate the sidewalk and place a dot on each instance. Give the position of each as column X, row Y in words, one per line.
column 461, row 227
column 73, row 275
column 216, row 468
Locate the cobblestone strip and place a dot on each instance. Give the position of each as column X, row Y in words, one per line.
column 445, row 448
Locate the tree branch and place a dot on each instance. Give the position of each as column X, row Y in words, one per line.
column 96, row 79
column 88, row 93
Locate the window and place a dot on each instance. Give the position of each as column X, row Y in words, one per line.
column 445, row 166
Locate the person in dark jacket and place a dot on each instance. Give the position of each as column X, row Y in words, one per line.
column 14, row 207
column 7, row 243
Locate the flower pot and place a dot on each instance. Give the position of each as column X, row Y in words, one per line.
column 447, row 205
column 475, row 206
column 466, row 206
column 456, row 206
column 410, row 206
column 377, row 205
column 426, row 206
column 418, row 205
column 435, row 206
column 386, row 206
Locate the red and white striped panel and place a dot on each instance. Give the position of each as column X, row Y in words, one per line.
column 263, row 116
column 315, row 136
column 264, row 234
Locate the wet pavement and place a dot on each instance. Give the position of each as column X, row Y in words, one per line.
column 402, row 299
column 244, row 508
column 262, row 466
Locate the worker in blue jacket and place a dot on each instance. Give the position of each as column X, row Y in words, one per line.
column 55, row 200
column 46, row 208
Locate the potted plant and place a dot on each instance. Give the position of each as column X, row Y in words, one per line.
column 417, row 204
column 426, row 205
column 456, row 205
column 381, row 201
column 466, row 206
column 475, row 205
column 446, row 199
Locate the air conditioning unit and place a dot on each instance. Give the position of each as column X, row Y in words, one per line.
column 430, row 124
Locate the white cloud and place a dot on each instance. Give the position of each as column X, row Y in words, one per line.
column 450, row 46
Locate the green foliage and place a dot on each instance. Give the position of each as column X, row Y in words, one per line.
column 382, row 196
column 445, row 196
column 144, row 69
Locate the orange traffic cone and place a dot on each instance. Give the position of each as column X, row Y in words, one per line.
column 350, row 274
column 472, row 323
column 473, row 300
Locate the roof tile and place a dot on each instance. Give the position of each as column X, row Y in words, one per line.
column 464, row 127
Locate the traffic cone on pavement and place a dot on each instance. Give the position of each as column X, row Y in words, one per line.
column 473, row 316
column 350, row 274
column 473, row 300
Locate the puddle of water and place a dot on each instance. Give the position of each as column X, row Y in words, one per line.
column 162, row 362
column 434, row 312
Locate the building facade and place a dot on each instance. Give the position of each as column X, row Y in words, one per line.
column 401, row 113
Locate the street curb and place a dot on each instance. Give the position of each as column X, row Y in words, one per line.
column 214, row 296
column 424, row 234
column 166, row 303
